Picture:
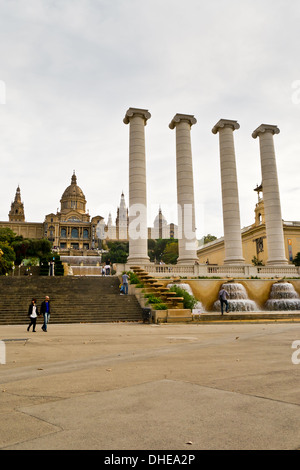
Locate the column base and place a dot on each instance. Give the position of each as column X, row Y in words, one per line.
column 277, row 262
column 138, row 260
column 191, row 261
column 234, row 261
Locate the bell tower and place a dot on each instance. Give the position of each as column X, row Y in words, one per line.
column 16, row 213
column 259, row 208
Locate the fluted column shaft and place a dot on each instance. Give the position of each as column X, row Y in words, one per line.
column 230, row 196
column 138, row 237
column 271, row 196
column 187, row 243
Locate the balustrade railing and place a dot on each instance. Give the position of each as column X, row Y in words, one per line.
column 204, row 270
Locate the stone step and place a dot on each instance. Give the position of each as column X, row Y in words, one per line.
column 73, row 299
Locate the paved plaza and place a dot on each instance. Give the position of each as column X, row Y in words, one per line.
column 134, row 386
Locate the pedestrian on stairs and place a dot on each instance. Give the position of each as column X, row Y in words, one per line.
column 33, row 313
column 45, row 311
column 125, row 283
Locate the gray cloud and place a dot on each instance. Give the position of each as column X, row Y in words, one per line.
column 73, row 67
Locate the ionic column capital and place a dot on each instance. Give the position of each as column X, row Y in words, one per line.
column 131, row 112
column 189, row 118
column 265, row 128
column 225, row 123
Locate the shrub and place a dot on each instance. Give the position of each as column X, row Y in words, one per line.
column 189, row 300
column 296, row 260
column 133, row 279
column 44, row 268
column 160, row 306
column 152, row 299
column 58, row 267
column 257, row 262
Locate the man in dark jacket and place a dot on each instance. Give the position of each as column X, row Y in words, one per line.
column 45, row 311
column 223, row 294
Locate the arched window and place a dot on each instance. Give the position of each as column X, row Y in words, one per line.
column 63, row 233
column 85, row 233
column 74, row 233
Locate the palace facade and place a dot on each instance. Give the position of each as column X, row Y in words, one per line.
column 72, row 230
column 254, row 240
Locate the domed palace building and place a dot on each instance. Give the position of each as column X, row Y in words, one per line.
column 72, row 228
column 72, row 231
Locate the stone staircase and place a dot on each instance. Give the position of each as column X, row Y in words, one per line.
column 73, row 299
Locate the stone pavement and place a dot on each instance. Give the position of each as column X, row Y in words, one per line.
column 125, row 386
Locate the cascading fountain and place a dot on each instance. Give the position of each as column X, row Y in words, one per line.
column 83, row 265
column 283, row 297
column 188, row 289
column 237, row 299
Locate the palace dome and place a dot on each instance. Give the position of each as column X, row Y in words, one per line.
column 73, row 189
column 73, row 197
column 160, row 220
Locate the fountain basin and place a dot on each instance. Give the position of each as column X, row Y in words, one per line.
column 237, row 299
column 283, row 297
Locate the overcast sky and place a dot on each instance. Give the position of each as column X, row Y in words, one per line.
column 69, row 70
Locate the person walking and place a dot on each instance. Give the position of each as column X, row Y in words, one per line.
column 125, row 283
column 107, row 269
column 223, row 299
column 33, row 313
column 45, row 311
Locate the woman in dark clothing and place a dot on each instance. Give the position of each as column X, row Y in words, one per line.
column 33, row 313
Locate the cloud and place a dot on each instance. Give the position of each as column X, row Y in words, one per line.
column 73, row 67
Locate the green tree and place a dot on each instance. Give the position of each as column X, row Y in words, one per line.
column 170, row 253
column 296, row 260
column 7, row 258
column 32, row 248
column 209, row 238
column 7, row 235
column 156, row 249
column 20, row 248
column 151, row 248
column 163, row 249
column 117, row 252
column 40, row 249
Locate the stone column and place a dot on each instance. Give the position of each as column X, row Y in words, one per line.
column 187, row 243
column 230, row 196
column 138, row 236
column 270, row 187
